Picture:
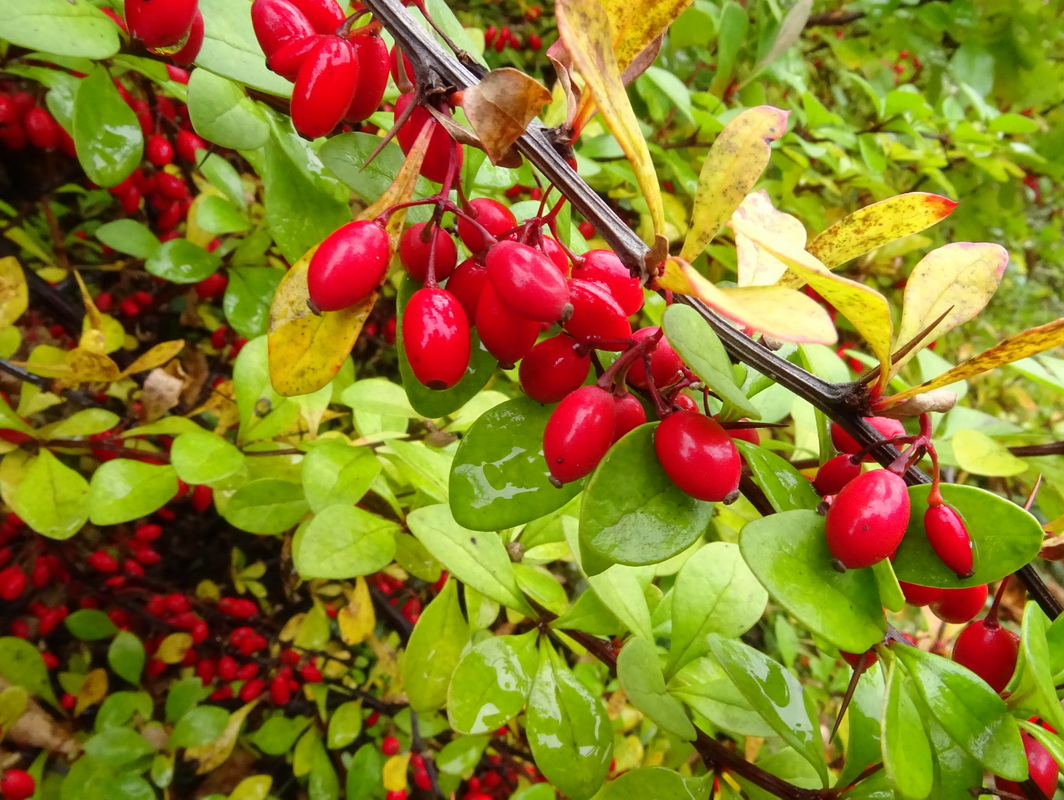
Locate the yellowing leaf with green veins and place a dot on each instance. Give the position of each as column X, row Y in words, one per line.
column 1029, row 343
column 14, row 296
column 875, row 225
column 784, row 314
column 758, row 267
column 734, row 164
column 977, row 453
column 585, row 28
column 865, row 308
column 960, row 279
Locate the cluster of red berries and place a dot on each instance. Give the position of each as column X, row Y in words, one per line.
column 23, row 122
column 338, row 74
column 166, row 27
column 501, row 38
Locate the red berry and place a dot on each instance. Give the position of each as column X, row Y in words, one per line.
column 867, row 521
column 247, row 672
column 415, row 252
column 745, row 434
column 949, row 539
column 170, row 186
column 311, row 674
column 630, row 415
column 491, row 215
column 160, row 23
column 507, row 336
column 698, row 455
column 13, row 582
column 212, row 286
column 102, row 561
column 845, row 443
column 187, row 145
column 553, row 369
column 372, row 55
column 466, row 283
column 288, row 58
column 393, row 66
column 665, row 363
column 865, row 659
column 438, row 155
column 597, row 318
column 324, row 87
column 280, row 694
column 187, row 54
column 579, row 433
column 1041, row 768
column 389, row 745
column 348, row 265
column 835, row 474
column 553, row 250
column 960, row 605
column 278, row 23
column 16, row 784
column 252, row 689
column 325, row 15
column 396, row 794
column 534, row 42
column 202, row 497
column 919, row 595
column 41, row 129
column 989, row 651
column 603, row 266
column 238, row 607
column 227, row 668
column 159, row 150
column 436, row 338
column 527, row 281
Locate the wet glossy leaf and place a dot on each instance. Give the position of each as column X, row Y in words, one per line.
column 491, row 683
column 659, row 783
column 499, row 477
column 716, row 698
column 126, row 656
column 343, row 541
column 221, row 113
column 733, row 165
column 906, row 751
column 784, row 486
column 500, row 107
column 568, row 730
column 181, row 261
column 863, row 727
column 21, row 664
column 202, row 457
column 776, row 694
column 231, row 49
column 52, row 498
column 434, row 650
column 977, row 453
column 788, row 553
column 248, row 297
column 264, row 506
column 972, row 713
column 1032, row 689
column 123, row 490
column 63, row 27
column 90, row 625
column 1006, row 537
column 337, row 473
column 715, row 592
column 640, row 675
column 106, row 133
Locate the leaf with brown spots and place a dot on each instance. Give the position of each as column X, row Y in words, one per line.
column 500, row 107
column 734, row 164
column 14, row 296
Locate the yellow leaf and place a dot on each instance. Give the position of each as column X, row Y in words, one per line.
column 784, row 314
column 92, row 314
column 758, row 267
column 875, row 225
column 394, row 772
column 172, row 649
column 156, row 357
column 865, row 308
column 87, row 366
column 257, row 787
column 734, row 164
column 114, row 335
column 93, row 690
column 1028, row 343
column 214, row 754
column 584, row 26
column 14, row 296
column 959, row 278
column 500, row 107
column 356, row 619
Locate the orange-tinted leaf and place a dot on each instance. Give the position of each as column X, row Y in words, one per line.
column 784, row 314
column 736, row 160
column 960, row 279
column 585, row 28
column 14, row 296
column 1029, row 343
column 156, row 357
column 500, row 107
column 758, row 267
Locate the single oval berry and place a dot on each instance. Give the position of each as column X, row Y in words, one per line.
column 393, row 67
column 466, row 283
column 527, row 281
column 41, row 128
column 919, row 595
column 17, row 784
column 605, row 267
column 188, row 145
column 960, row 605
column 436, row 338
column 835, row 474
column 506, row 335
column 1041, row 768
column 324, row 87
column 325, row 15
column 489, row 214
column 579, row 433
column 438, row 155
column 188, row 52
column 13, row 583
column 556, row 254
column 348, row 265
column 698, row 455
column 950, row 540
column 596, row 317
column 751, row 435
column 989, row 651
column 288, row 58
column 416, row 250
column 372, row 55
column 665, row 363
column 553, row 368
column 160, row 23
column 630, row 415
column 159, row 150
column 845, row 443
column 867, row 521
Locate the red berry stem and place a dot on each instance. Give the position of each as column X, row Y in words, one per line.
column 991, row 618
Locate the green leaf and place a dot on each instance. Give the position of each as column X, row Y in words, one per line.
column 199, row 726
column 343, row 542
column 705, row 356
column 221, row 113
column 181, row 261
column 1050, row 741
column 1032, row 689
column 278, row 734
column 217, row 215
column 129, row 236
column 81, row 423
column 659, row 783
column 477, row 559
column 126, row 656
column 490, row 685
column 972, row 713
column 51, row 497
column 345, row 154
column 621, row 590
column 265, row 506
column 714, row 696
column 776, row 694
column 784, row 486
column 121, row 708
column 788, row 553
column 184, row 695
column 338, row 473
column 461, row 755
column 63, row 27
column 123, row 490
column 432, row 403
column 632, row 513
column 21, row 664
column 345, row 725
column 568, row 730
column 364, row 774
column 248, row 297
column 202, row 457
column 434, row 650
column 499, row 477
column 118, row 747
column 715, row 592
column 106, row 132
column 640, row 675
column 864, row 728
column 1004, row 535
column 977, row 453
column 231, row 49
column 906, row 751
column 90, row 625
